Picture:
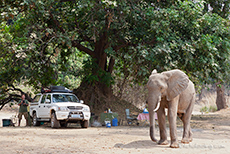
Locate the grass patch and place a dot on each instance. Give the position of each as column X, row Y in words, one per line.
column 206, row 109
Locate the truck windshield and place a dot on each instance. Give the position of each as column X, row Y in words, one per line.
column 64, row 98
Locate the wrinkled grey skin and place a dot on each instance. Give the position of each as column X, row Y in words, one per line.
column 173, row 90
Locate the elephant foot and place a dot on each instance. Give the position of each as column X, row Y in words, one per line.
column 174, row 145
column 163, row 142
column 186, row 140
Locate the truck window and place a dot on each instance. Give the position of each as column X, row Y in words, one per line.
column 48, row 97
column 43, row 99
column 64, row 98
column 37, row 98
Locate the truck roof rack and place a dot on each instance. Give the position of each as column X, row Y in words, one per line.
column 52, row 89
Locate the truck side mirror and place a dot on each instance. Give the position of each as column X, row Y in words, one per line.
column 47, row 101
column 81, row 101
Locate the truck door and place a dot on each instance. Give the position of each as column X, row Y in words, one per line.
column 34, row 104
column 41, row 107
column 46, row 107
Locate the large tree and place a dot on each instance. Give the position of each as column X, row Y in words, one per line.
column 222, row 8
column 130, row 37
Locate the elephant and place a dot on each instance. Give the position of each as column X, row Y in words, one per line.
column 172, row 90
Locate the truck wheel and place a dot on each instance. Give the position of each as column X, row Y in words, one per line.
column 35, row 120
column 85, row 124
column 54, row 122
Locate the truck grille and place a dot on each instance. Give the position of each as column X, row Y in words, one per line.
column 75, row 107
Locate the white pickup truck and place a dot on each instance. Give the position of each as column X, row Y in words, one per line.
column 60, row 109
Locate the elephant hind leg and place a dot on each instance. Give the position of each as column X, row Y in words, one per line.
column 186, row 139
column 187, row 134
column 190, row 135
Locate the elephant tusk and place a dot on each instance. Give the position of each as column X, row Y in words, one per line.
column 158, row 106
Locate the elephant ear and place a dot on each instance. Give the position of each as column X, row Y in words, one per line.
column 177, row 82
column 152, row 74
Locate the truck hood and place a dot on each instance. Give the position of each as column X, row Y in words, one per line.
column 70, row 104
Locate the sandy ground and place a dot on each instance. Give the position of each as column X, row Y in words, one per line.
column 211, row 134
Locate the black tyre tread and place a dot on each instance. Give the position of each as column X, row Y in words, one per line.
column 56, row 122
column 85, row 124
column 36, row 122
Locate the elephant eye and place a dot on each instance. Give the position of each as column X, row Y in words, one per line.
column 161, row 88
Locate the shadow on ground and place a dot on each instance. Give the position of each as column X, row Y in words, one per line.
column 141, row 144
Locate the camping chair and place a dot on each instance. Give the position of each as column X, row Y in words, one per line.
column 131, row 118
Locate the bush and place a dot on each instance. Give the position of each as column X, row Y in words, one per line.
column 210, row 109
column 204, row 109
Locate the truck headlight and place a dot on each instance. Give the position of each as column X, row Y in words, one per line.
column 63, row 108
column 86, row 109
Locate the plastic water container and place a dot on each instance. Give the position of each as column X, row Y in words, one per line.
column 115, row 122
column 107, row 123
column 6, row 122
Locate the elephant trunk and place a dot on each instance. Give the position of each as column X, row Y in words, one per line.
column 152, row 126
column 153, row 102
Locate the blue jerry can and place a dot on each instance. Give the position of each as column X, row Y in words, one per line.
column 115, row 122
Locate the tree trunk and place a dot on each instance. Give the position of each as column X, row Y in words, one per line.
column 98, row 91
column 220, row 99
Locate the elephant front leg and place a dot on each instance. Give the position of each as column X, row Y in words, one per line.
column 162, row 126
column 172, row 115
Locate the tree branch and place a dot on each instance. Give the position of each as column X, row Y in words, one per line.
column 111, row 64
column 56, row 22
column 22, row 92
column 75, row 43
column 116, row 48
column 67, row 0
column 11, row 97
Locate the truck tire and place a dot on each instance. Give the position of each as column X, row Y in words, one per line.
column 35, row 120
column 54, row 122
column 85, row 124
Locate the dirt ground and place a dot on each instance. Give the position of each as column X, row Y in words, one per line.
column 211, row 134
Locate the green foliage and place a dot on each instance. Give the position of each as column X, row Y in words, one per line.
column 92, row 74
column 69, row 74
column 220, row 7
column 212, row 108
column 206, row 109
column 186, row 37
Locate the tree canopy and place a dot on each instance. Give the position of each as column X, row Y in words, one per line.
column 45, row 41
